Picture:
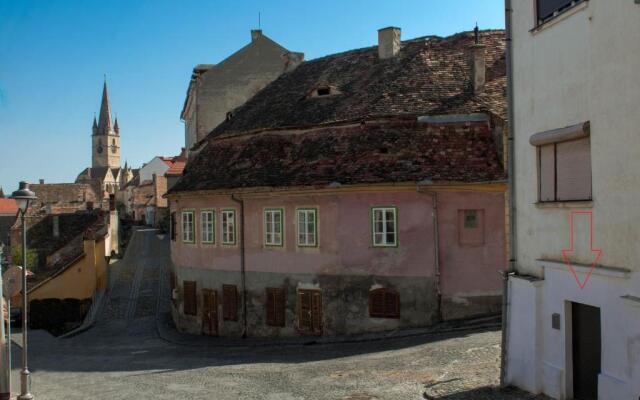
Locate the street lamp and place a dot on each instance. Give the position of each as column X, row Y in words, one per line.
column 23, row 196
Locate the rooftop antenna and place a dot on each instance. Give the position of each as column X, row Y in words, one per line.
column 259, row 27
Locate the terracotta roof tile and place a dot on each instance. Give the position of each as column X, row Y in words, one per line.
column 8, row 207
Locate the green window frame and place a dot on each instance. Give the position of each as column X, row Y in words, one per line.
column 273, row 227
column 307, row 224
column 188, row 228
column 228, row 225
column 384, row 226
column 208, row 226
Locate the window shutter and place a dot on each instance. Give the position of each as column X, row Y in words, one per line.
column 316, row 311
column 376, row 303
column 275, row 307
column 190, row 300
column 229, row 302
column 574, row 170
column 304, row 310
column 547, row 172
column 391, row 304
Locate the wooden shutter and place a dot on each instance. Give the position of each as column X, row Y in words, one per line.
column 547, row 172
column 573, row 160
column 209, row 312
column 275, row 305
column 316, row 311
column 384, row 303
column 230, row 302
column 173, row 226
column 304, row 310
column 376, row 303
column 190, row 299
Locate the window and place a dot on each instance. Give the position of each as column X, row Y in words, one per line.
column 228, row 226
column 188, row 234
column 471, row 227
column 273, row 227
column 173, row 226
column 384, row 303
column 564, row 171
column 229, row 302
column 323, row 91
column 207, row 219
column 547, row 9
column 310, row 311
column 385, row 226
column 307, row 227
column 190, row 302
column 275, row 307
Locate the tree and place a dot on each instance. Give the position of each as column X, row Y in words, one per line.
column 32, row 257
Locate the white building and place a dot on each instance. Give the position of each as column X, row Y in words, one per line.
column 576, row 67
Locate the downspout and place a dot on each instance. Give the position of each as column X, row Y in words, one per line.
column 511, row 192
column 436, row 250
column 243, row 286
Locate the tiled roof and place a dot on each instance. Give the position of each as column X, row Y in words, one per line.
column 8, row 207
column 429, row 76
column 177, row 167
column 359, row 154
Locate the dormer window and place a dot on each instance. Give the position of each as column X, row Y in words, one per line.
column 323, row 91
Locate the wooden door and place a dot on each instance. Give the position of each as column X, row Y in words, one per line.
column 310, row 311
column 209, row 312
column 586, row 338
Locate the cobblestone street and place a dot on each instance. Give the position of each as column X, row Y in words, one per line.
column 123, row 356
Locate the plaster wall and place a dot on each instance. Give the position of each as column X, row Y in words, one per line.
column 155, row 166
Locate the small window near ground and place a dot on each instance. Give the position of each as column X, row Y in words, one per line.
column 207, row 219
column 384, row 303
column 307, row 227
column 230, row 302
column 228, row 222
column 273, row 227
column 190, row 299
column 385, row 226
column 275, row 307
column 188, row 234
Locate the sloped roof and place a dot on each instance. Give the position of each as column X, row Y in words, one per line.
column 8, row 207
column 359, row 154
column 430, row 76
column 177, row 168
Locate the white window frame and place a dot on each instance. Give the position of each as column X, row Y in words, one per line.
column 188, row 227
column 208, row 226
column 303, row 227
column 273, row 236
column 228, row 226
column 375, row 232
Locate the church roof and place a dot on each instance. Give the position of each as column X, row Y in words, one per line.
column 105, row 125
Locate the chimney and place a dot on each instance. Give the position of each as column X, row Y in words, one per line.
column 388, row 42
column 255, row 34
column 478, row 66
column 42, row 181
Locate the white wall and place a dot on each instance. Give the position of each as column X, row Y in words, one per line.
column 584, row 66
column 155, row 166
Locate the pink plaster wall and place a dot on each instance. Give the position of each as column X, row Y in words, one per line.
column 344, row 231
column 463, row 267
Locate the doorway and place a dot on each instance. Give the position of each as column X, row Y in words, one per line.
column 209, row 312
column 310, row 311
column 586, row 348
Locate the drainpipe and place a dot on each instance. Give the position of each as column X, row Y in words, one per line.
column 512, row 194
column 436, row 250
column 243, row 286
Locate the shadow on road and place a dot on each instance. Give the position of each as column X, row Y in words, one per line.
column 487, row 393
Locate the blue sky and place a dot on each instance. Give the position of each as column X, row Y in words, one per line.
column 53, row 55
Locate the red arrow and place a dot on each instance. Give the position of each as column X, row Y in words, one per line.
column 595, row 253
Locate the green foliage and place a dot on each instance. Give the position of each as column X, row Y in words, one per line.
column 32, row 257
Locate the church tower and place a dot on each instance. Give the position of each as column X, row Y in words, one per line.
column 105, row 151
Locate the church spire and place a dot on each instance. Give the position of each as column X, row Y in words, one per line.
column 116, row 128
column 104, row 120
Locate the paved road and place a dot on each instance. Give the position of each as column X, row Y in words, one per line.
column 123, row 357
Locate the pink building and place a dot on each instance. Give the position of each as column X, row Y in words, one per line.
column 362, row 191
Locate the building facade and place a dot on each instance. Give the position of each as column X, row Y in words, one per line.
column 215, row 90
column 356, row 193
column 574, row 301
